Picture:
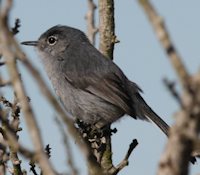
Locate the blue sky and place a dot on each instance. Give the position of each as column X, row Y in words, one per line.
column 138, row 54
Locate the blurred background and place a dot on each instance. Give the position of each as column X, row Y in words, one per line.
column 138, row 54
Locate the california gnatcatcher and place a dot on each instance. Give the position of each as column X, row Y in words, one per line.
column 91, row 87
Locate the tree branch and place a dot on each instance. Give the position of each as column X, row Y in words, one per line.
column 90, row 18
column 164, row 37
column 107, row 28
column 106, row 46
column 124, row 162
column 6, row 38
column 184, row 133
column 69, row 156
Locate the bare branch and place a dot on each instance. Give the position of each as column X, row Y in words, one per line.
column 184, row 133
column 9, row 131
column 3, row 155
column 164, row 37
column 70, row 160
column 171, row 88
column 107, row 42
column 124, row 162
column 4, row 83
column 90, row 18
column 32, row 168
column 107, row 28
column 6, row 38
column 196, row 151
column 106, row 45
column 14, row 124
column 12, row 141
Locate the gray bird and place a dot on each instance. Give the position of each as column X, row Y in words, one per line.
column 91, row 87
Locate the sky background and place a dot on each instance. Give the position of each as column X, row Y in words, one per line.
column 138, row 54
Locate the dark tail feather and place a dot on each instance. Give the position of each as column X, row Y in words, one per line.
column 151, row 115
column 145, row 111
column 142, row 110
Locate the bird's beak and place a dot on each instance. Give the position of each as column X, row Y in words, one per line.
column 30, row 43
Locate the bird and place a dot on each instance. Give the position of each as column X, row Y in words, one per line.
column 91, row 87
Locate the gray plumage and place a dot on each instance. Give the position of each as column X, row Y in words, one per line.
column 91, row 87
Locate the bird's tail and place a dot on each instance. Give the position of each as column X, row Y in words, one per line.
column 148, row 113
column 151, row 115
column 144, row 112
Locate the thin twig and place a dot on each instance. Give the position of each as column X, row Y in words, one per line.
column 68, row 150
column 171, row 87
column 124, row 162
column 15, row 29
column 33, row 168
column 48, row 150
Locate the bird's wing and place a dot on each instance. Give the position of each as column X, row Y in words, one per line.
column 109, row 86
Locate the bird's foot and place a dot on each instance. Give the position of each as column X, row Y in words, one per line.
column 94, row 135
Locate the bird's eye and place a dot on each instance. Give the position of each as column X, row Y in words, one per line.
column 51, row 40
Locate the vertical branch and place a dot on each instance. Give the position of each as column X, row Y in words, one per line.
column 107, row 27
column 106, row 157
column 184, row 133
column 90, row 18
column 106, row 46
column 107, row 36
